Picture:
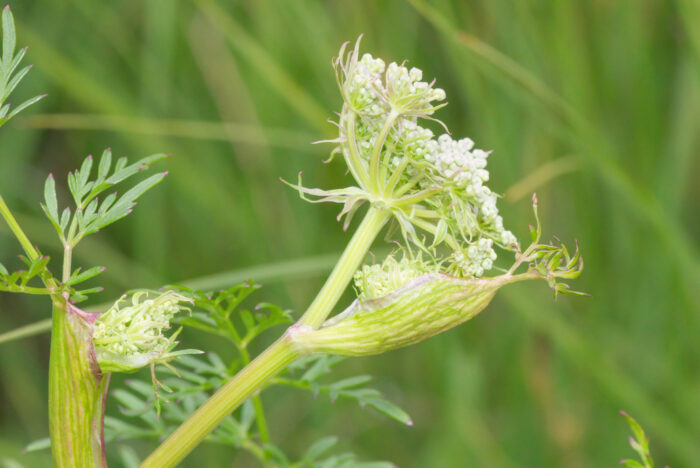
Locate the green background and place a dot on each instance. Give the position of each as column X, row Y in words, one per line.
column 595, row 105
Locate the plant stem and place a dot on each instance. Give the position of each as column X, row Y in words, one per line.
column 181, row 442
column 67, row 260
column 27, row 290
column 17, row 231
column 76, row 393
column 374, row 174
column 260, row 419
column 26, row 244
column 344, row 270
column 257, row 403
column 355, row 162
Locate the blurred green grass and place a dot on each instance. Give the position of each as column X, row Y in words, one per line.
column 234, row 90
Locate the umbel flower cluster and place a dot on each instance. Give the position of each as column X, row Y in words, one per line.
column 131, row 334
column 434, row 186
column 434, row 190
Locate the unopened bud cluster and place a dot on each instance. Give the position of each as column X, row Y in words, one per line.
column 131, row 334
column 374, row 281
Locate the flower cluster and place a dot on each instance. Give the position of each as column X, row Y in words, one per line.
column 373, row 281
column 371, row 88
column 433, row 186
column 458, row 163
column 478, row 259
column 363, row 89
column 129, row 337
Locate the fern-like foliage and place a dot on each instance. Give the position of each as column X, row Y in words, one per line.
column 90, row 214
column 639, row 443
column 18, row 281
column 10, row 76
column 193, row 379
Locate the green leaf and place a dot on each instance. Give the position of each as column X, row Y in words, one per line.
column 122, row 171
column 247, row 415
column 36, row 267
column 105, row 164
column 37, row 445
column 639, row 443
column 78, row 277
column 319, row 448
column 322, row 366
column 139, row 189
column 8, row 37
column 351, row 382
column 128, row 457
column 276, row 454
column 125, row 204
column 83, row 175
column 108, row 202
column 636, row 429
column 16, row 61
column 65, row 218
column 50, row 198
column 26, row 104
column 12, row 84
column 388, row 408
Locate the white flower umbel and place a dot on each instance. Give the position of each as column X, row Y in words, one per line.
column 434, row 188
column 131, row 334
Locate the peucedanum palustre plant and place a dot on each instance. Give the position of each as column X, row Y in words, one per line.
column 430, row 191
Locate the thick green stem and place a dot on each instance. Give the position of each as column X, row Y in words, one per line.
column 181, row 442
column 257, row 403
column 344, row 270
column 76, row 393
